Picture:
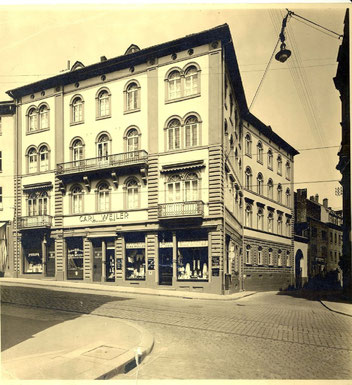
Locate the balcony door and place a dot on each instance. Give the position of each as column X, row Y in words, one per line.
column 103, row 149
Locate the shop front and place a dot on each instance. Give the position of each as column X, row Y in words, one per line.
column 74, row 248
column 103, row 259
column 135, row 261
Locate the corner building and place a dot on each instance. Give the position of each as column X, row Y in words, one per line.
column 128, row 172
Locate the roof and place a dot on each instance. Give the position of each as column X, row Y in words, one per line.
column 7, row 108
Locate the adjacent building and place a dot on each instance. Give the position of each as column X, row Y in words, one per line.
column 130, row 172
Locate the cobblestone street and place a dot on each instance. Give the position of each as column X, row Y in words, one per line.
column 261, row 336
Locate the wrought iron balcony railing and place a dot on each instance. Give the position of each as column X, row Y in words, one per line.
column 35, row 221
column 105, row 162
column 181, row 209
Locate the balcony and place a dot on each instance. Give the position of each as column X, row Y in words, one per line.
column 34, row 222
column 126, row 159
column 180, row 210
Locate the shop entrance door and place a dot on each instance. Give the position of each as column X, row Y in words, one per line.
column 110, row 265
column 97, row 262
column 165, row 266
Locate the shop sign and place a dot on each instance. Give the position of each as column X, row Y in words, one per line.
column 215, row 272
column 203, row 243
column 135, row 245
column 165, row 245
column 151, row 264
column 118, row 263
column 34, row 255
column 75, row 253
column 110, row 217
column 215, row 261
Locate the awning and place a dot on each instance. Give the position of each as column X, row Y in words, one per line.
column 182, row 166
column 37, row 187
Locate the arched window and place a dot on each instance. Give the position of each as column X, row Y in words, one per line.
column 174, row 189
column 279, row 224
column 103, row 147
column 77, row 150
column 288, row 170
column 132, row 194
column 279, row 165
column 183, row 188
column 77, row 110
column 32, row 205
column 288, row 259
column 270, row 189
column 270, row 159
column 288, row 197
column 43, row 158
column 38, row 204
column 191, row 81
column 44, row 117
column 279, row 258
column 191, row 187
column 270, row 222
column 260, row 218
column 226, row 128
column 191, row 131
column 32, row 160
column 132, row 96
column 248, row 145
column 248, row 216
column 248, row 178
column 174, row 85
column 43, row 207
column 173, row 134
column 260, row 152
column 248, row 255
column 132, row 140
column 103, row 100
column 260, row 255
column 260, row 182
column 77, row 199
column 32, row 120
column 288, row 227
column 271, row 259
column 279, row 193
column 103, row 197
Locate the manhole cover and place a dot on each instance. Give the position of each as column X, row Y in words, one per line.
column 105, row 352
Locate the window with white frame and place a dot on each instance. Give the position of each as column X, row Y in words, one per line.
column 132, row 194
column 248, row 178
column 288, row 227
column 248, row 216
column 260, row 152
column 32, row 120
column 103, row 147
column 279, row 165
column 32, row 160
column 270, row 159
column 271, row 258
column 191, row 187
column 270, row 222
column 173, row 134
column 103, row 104
column 103, row 191
column 132, row 140
column 43, row 158
column 43, row 117
column 248, row 145
column 279, row 258
column 260, row 255
column 248, row 255
column 288, row 197
column 77, row 199
column 270, row 187
column 132, row 96
column 260, row 183
column 77, row 110
column 77, row 150
column 279, row 224
column 174, row 85
column 191, row 131
column 288, row 259
column 288, row 170
column 260, row 219
column 191, row 81
column 279, row 193
column 38, row 204
column 183, row 187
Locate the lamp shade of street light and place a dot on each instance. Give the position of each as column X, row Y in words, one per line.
column 283, row 54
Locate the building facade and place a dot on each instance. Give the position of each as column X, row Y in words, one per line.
column 129, row 171
column 7, row 132
column 342, row 84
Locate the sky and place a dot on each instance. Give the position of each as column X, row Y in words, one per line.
column 297, row 99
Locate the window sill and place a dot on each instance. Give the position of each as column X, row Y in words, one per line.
column 270, row 168
column 249, row 155
column 103, row 117
column 182, row 98
column 76, row 123
column 37, row 131
column 260, row 161
column 131, row 111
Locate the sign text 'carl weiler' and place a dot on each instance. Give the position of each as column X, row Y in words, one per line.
column 111, row 217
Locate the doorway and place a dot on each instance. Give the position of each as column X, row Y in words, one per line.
column 110, row 264
column 165, row 266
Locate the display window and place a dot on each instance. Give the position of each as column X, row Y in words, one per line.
column 192, row 263
column 33, row 262
column 135, row 257
column 75, row 258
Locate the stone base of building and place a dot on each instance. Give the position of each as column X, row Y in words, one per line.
column 267, row 281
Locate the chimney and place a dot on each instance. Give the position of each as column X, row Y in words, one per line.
column 317, row 198
column 103, row 58
column 68, row 64
column 312, row 198
column 325, row 202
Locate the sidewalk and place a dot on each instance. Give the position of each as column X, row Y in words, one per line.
column 98, row 288
column 85, row 348
column 338, row 307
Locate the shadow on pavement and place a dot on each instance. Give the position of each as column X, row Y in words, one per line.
column 23, row 310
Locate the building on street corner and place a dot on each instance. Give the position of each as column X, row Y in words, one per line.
column 134, row 172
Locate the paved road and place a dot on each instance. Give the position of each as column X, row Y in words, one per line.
column 261, row 336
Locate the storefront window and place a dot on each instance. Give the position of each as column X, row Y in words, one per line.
column 135, row 257
column 75, row 258
column 33, row 262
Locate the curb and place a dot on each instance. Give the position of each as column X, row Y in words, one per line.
column 335, row 311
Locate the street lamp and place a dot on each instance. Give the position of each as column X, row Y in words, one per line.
column 284, row 53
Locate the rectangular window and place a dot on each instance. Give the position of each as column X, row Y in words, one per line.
column 135, row 261
column 192, row 262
